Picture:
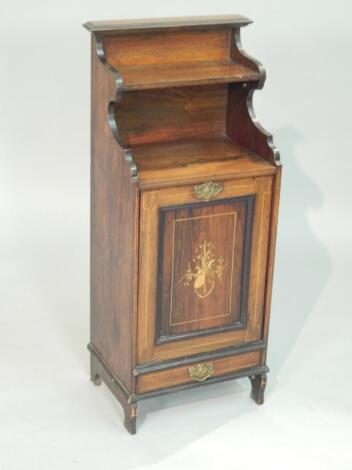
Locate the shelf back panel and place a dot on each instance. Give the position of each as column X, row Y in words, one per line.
column 167, row 47
column 171, row 114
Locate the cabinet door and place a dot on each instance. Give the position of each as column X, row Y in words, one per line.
column 202, row 268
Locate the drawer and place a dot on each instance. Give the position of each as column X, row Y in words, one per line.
column 196, row 372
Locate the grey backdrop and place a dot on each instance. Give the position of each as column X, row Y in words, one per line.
column 50, row 414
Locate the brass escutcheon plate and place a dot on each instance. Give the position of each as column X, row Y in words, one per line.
column 201, row 372
column 208, row 190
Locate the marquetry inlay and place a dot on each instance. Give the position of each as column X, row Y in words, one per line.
column 204, row 271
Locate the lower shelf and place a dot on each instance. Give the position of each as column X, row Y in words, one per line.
column 189, row 160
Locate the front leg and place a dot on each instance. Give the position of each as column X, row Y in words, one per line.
column 95, row 374
column 131, row 413
column 258, row 387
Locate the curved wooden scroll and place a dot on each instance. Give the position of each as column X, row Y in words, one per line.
column 239, row 55
column 242, row 123
column 115, row 97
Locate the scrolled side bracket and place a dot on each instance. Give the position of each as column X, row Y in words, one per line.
column 101, row 55
column 275, row 154
column 242, row 123
column 115, row 95
column 240, row 56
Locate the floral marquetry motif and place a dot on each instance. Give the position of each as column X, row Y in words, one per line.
column 204, row 270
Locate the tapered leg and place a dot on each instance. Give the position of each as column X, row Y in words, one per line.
column 131, row 412
column 258, row 387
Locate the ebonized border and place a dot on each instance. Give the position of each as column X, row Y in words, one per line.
column 219, row 353
column 250, row 202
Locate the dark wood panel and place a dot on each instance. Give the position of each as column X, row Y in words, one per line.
column 170, row 114
column 203, row 267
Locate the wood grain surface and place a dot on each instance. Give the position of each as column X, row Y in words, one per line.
column 144, row 77
column 180, row 375
column 190, row 160
column 114, row 204
column 171, row 114
column 203, row 267
column 167, row 48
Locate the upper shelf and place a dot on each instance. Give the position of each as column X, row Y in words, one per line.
column 174, row 52
column 184, row 74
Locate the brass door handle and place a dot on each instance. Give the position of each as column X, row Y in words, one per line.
column 201, row 372
column 208, row 190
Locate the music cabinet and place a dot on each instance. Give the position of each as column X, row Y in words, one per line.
column 184, row 204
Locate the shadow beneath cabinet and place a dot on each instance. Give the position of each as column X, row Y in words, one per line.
column 168, row 424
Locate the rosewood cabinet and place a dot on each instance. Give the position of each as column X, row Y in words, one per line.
column 184, row 203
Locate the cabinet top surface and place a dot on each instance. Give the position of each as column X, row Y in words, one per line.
column 123, row 26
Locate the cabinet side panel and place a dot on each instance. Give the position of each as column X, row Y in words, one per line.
column 271, row 257
column 114, row 210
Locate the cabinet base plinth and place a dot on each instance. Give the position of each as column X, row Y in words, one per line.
column 101, row 372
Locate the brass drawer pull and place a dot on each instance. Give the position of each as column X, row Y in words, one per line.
column 208, row 190
column 201, row 372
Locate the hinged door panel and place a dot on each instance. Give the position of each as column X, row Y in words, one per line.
column 202, row 268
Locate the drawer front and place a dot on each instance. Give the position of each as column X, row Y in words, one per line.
column 198, row 372
column 202, row 267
